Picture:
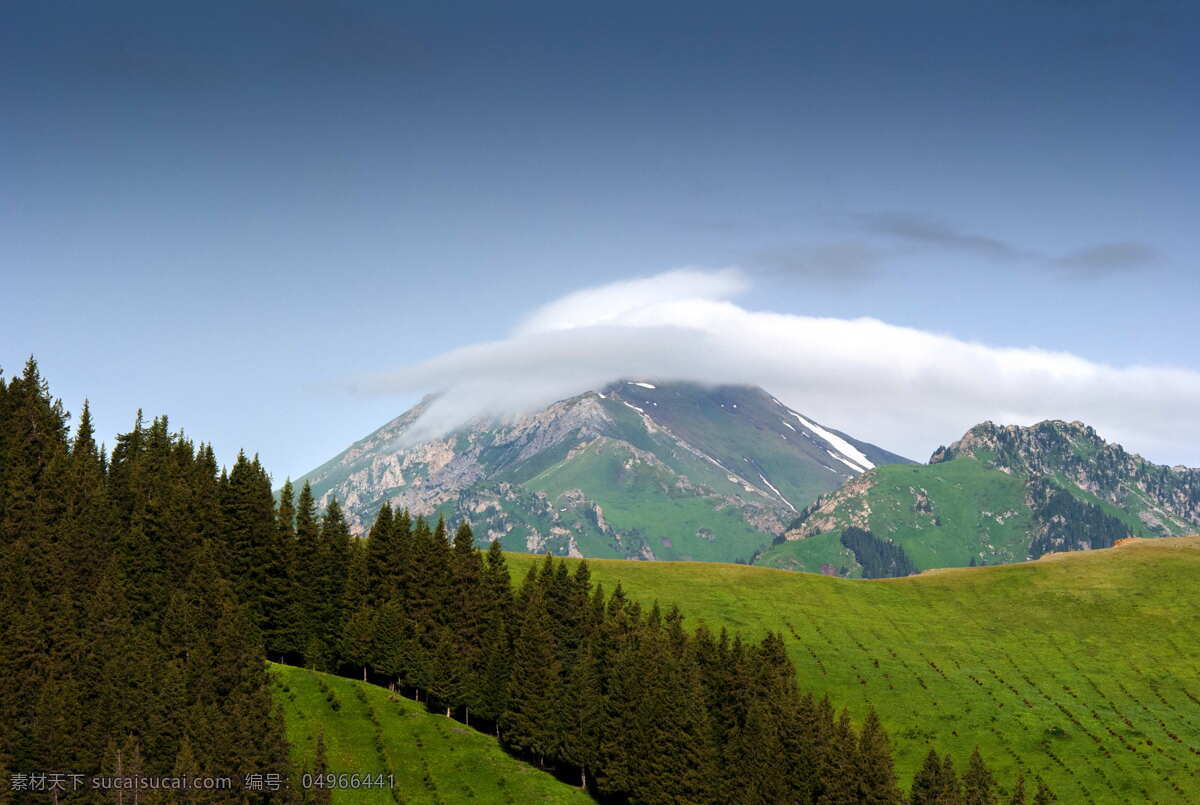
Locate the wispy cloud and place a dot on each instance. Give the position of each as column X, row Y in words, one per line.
column 932, row 232
column 845, row 262
column 906, row 389
column 1106, row 259
column 1088, row 262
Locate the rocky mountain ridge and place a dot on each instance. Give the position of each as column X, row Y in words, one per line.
column 999, row 494
column 636, row 469
column 1167, row 498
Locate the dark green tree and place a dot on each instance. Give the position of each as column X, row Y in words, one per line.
column 928, row 784
column 951, row 793
column 358, row 638
column 530, row 723
column 306, row 590
column 1018, row 795
column 1043, row 795
column 876, row 772
column 321, row 794
column 387, row 643
column 979, row 787
column 383, row 559
column 333, row 572
column 281, row 638
column 583, row 714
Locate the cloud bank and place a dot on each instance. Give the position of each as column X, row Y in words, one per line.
column 907, row 390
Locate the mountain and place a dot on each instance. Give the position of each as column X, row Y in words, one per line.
column 635, row 470
column 999, row 494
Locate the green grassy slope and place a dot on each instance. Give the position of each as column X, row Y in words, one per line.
column 645, row 498
column 433, row 759
column 975, row 513
column 823, row 553
column 1082, row 668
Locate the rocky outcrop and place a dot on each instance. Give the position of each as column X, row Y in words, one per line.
column 1167, row 499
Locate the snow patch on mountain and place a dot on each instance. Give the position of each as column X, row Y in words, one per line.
column 776, row 491
column 844, row 461
column 838, row 443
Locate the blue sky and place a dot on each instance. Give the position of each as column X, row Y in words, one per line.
column 227, row 214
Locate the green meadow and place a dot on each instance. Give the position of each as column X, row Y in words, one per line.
column 1082, row 669
column 433, row 759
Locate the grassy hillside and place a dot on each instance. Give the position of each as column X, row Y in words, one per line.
column 646, row 499
column 976, row 513
column 433, row 759
column 1081, row 668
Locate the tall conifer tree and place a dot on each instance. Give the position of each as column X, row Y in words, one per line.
column 979, row 787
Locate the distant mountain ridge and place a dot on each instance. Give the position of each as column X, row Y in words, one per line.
column 637, row 469
column 1166, row 499
column 999, row 494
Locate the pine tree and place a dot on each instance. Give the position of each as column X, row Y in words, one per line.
column 282, row 638
column 616, row 648
column 34, row 431
column 321, row 794
column 583, row 714
column 358, row 638
column 186, row 765
column 382, row 559
column 427, row 592
column 951, row 791
column 306, row 589
column 237, row 681
column 111, row 643
column 876, row 773
column 87, row 523
column 387, row 643
column 928, row 784
column 1043, row 795
column 403, row 553
column 842, row 782
column 356, row 587
column 676, row 761
column 56, row 738
column 497, row 580
column 257, row 562
column 1018, row 795
column 467, row 620
column 446, row 686
column 334, row 569
column 529, row 722
column 6, row 796
column 130, row 758
column 979, row 787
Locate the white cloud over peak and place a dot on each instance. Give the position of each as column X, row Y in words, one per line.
column 905, row 389
column 608, row 303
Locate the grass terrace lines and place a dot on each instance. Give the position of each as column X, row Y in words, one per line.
column 1081, row 670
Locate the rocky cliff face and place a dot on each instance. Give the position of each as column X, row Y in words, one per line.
column 638, row 469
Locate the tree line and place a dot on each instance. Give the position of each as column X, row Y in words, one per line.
column 125, row 646
column 636, row 706
column 142, row 588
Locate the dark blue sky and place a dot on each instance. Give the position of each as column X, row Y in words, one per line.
column 224, row 212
